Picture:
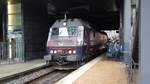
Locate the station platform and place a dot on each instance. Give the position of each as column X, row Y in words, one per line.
column 101, row 70
column 10, row 70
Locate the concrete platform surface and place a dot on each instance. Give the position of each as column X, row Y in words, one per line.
column 12, row 69
column 104, row 71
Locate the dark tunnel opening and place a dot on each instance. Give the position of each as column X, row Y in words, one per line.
column 39, row 15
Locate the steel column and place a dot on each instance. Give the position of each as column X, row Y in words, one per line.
column 127, row 33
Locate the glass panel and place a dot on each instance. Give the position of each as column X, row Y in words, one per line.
column 14, row 27
column 13, row 1
column 55, row 32
column 134, row 2
column 63, row 36
column 14, row 32
column 14, row 19
column 64, row 31
column 72, row 30
column 14, row 8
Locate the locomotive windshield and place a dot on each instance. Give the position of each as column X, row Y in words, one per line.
column 63, row 36
column 64, row 32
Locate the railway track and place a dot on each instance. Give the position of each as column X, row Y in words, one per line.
column 46, row 75
column 50, row 78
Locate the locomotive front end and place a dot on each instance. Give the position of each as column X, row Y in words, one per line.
column 63, row 44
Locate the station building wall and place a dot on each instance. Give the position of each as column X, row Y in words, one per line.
column 33, row 19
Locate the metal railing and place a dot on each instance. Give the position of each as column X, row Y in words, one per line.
column 11, row 52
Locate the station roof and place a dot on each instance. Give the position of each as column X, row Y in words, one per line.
column 104, row 14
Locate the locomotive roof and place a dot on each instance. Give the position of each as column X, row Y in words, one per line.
column 71, row 22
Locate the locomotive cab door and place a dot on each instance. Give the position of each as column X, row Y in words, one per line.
column 86, row 41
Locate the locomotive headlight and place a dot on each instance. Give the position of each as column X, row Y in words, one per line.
column 64, row 23
column 74, row 51
column 69, row 51
column 55, row 51
column 51, row 51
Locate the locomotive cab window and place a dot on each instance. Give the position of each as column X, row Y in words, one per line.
column 64, row 31
column 55, row 31
column 72, row 30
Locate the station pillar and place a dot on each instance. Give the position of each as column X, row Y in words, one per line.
column 127, row 33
